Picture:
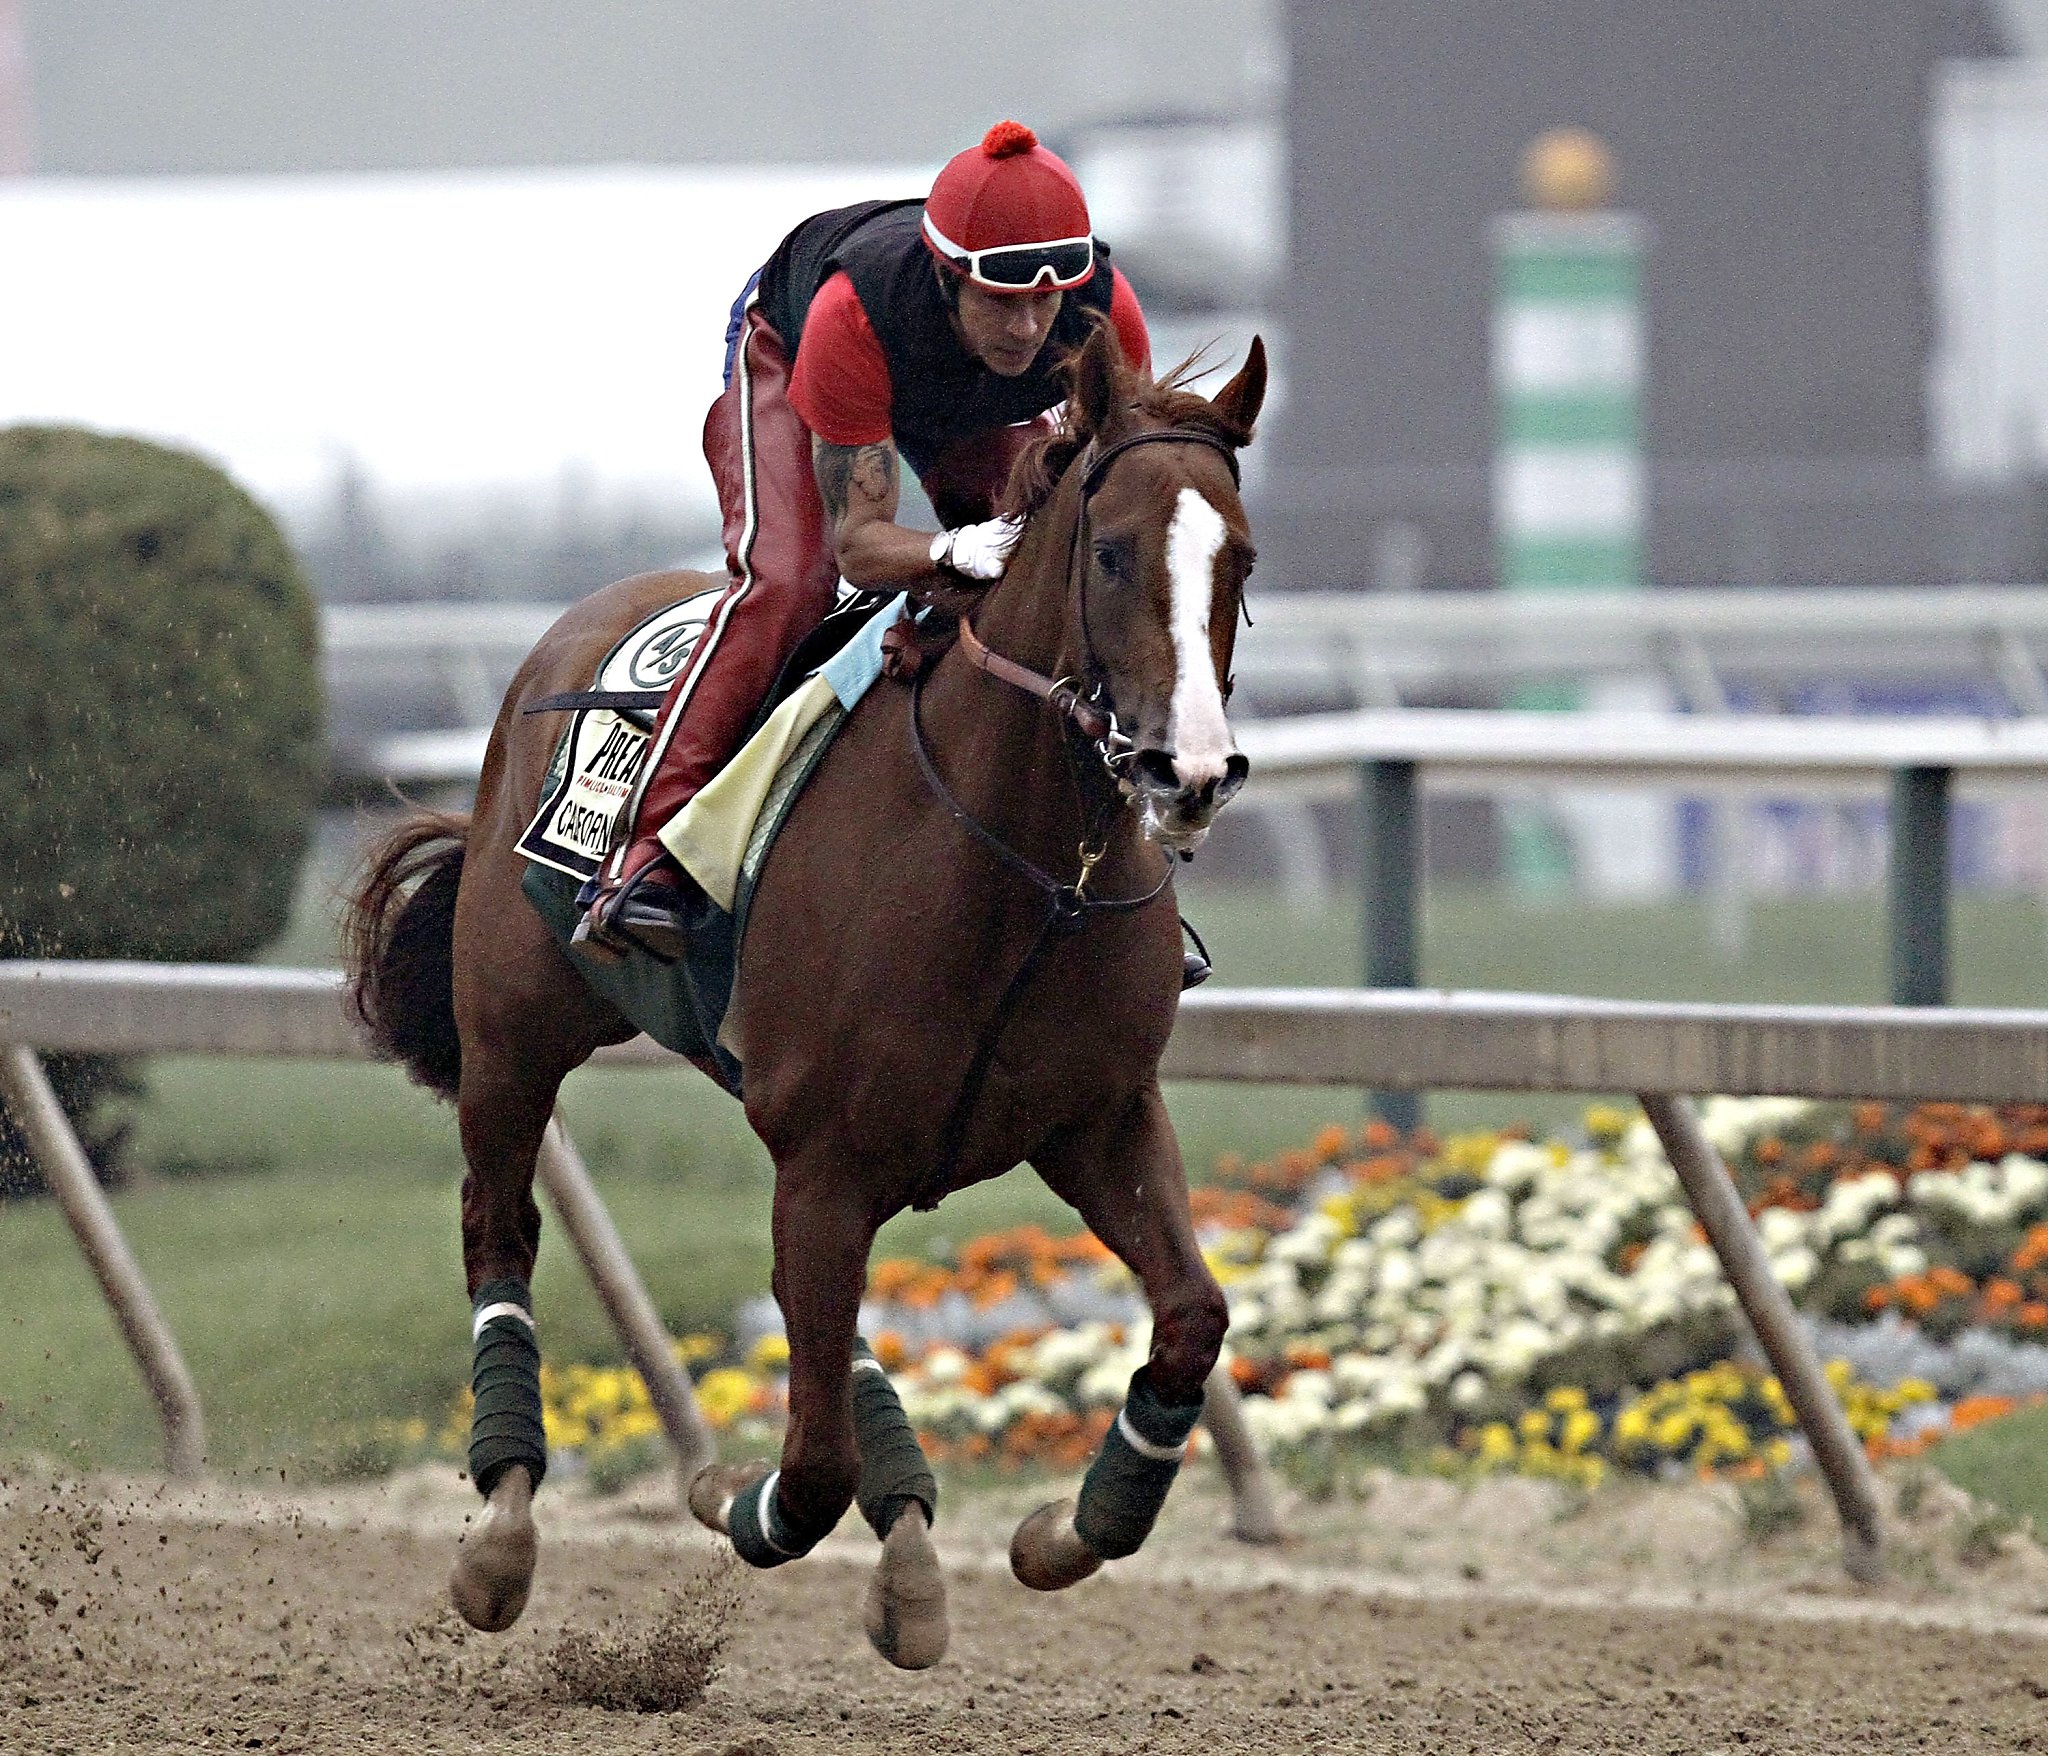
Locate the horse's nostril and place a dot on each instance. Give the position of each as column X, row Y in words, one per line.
column 1155, row 771
column 1235, row 769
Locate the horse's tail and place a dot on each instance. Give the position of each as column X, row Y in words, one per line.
column 398, row 946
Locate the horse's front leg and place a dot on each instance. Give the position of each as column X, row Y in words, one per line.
column 847, row 1436
column 1124, row 1177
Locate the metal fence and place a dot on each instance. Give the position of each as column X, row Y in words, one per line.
column 1410, row 1040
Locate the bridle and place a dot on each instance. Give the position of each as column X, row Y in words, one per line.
column 1087, row 710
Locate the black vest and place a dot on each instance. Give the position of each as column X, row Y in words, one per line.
column 939, row 393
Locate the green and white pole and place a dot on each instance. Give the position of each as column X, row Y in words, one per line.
column 1568, row 379
column 1568, row 478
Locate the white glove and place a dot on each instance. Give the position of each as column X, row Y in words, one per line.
column 977, row 551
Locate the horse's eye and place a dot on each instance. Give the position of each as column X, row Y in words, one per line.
column 1111, row 559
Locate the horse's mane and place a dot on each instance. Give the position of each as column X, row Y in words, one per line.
column 1038, row 470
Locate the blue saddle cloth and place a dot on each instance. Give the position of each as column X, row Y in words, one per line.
column 683, row 1005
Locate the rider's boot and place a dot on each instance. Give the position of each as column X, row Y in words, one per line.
column 638, row 901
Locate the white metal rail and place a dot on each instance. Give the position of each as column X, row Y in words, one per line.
column 1341, row 1037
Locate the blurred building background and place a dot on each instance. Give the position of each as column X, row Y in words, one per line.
column 446, row 281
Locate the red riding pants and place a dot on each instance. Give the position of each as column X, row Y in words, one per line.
column 781, row 579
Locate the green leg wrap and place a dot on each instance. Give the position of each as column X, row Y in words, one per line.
column 1126, row 1484
column 761, row 1531
column 505, row 1376
column 893, row 1470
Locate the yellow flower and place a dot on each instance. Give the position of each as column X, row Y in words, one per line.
column 770, row 1354
column 1673, row 1431
column 696, row 1347
column 1496, row 1443
column 1535, row 1424
column 1581, row 1428
column 724, row 1395
column 1606, row 1122
column 1565, row 1398
column 1342, row 1210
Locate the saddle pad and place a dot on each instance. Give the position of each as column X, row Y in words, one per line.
column 723, row 838
column 598, row 757
column 711, row 835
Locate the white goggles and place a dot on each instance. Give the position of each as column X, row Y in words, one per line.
column 1019, row 268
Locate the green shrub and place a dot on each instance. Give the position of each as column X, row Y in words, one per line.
column 160, row 714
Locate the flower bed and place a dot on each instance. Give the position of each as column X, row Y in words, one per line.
column 1485, row 1302
column 1497, row 1302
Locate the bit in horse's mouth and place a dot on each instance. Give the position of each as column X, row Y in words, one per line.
column 1176, row 836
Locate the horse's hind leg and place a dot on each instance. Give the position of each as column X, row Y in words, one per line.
column 510, row 1079
column 1125, row 1179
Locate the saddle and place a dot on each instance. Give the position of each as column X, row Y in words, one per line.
column 722, row 837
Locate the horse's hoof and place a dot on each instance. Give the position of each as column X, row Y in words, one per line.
column 714, row 1488
column 1047, row 1553
column 905, row 1614
column 494, row 1564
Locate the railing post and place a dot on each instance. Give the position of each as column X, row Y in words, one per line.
column 1390, row 891
column 603, row 1255
column 1718, row 1207
column 68, row 1172
column 1919, row 886
column 1253, row 1516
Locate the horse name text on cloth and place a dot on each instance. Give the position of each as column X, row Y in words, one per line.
column 598, row 758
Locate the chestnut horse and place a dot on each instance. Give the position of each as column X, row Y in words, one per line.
column 963, row 955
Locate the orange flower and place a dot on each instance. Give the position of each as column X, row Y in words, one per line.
column 1304, row 1357
column 1770, row 1150
column 1379, row 1134
column 2032, row 1315
column 1974, row 1411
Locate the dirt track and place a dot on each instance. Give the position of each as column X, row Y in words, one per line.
column 145, row 1621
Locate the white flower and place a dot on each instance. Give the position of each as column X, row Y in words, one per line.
column 945, row 1366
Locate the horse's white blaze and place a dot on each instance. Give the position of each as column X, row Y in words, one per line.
column 1197, row 732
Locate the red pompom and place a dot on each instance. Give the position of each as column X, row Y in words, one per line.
column 1007, row 139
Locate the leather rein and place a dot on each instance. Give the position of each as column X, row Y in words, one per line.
column 1068, row 906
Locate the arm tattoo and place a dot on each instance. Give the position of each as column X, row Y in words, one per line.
column 856, row 475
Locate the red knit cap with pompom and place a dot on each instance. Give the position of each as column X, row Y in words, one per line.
column 1007, row 139
column 1006, row 190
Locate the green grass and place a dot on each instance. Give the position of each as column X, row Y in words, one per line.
column 2001, row 1462
column 301, row 1232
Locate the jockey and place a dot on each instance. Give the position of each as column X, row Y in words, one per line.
column 927, row 331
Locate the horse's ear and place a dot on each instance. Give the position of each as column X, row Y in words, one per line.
column 1099, row 374
column 1239, row 401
